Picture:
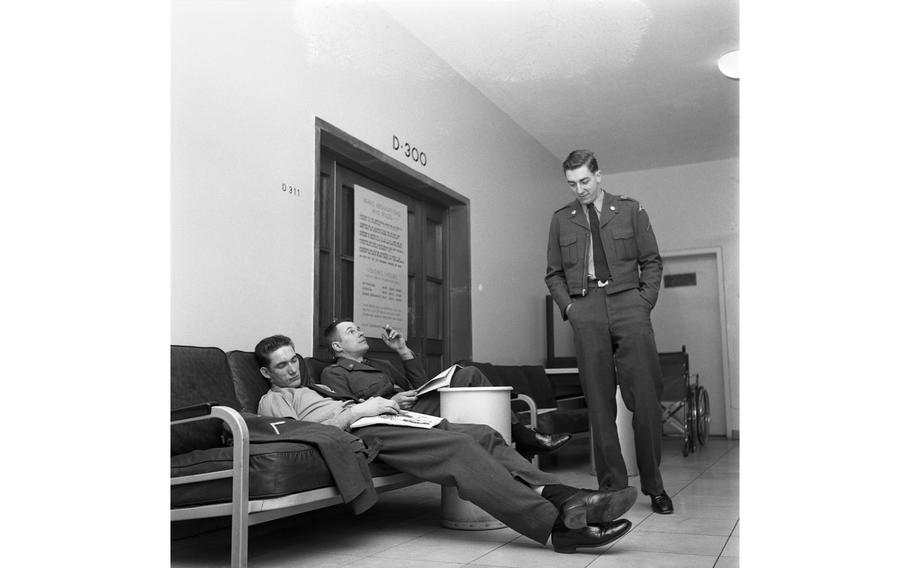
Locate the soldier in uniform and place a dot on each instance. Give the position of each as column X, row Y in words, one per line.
column 605, row 283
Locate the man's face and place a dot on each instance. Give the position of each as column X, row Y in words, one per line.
column 584, row 183
column 284, row 368
column 350, row 340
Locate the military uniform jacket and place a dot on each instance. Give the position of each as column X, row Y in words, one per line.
column 360, row 381
column 629, row 243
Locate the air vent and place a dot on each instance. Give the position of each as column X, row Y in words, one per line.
column 675, row 280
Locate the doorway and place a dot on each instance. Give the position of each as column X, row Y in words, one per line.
column 690, row 312
column 438, row 263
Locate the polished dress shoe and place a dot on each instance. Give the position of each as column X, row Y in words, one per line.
column 566, row 540
column 661, row 504
column 587, row 507
column 530, row 441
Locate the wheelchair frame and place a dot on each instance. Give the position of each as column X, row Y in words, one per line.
column 679, row 394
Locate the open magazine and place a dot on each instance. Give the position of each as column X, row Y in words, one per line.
column 441, row 380
column 406, row 418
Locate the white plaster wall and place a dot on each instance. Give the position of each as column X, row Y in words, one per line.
column 696, row 206
column 248, row 80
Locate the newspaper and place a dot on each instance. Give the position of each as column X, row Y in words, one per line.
column 406, row 418
column 441, row 380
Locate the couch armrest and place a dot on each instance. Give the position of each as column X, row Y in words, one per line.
column 239, row 473
column 194, row 411
column 532, row 406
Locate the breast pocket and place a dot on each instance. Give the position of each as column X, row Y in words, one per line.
column 624, row 243
column 568, row 248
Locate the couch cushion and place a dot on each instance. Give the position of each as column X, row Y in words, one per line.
column 199, row 374
column 249, row 384
column 313, row 367
column 572, row 421
column 276, row 469
column 539, row 383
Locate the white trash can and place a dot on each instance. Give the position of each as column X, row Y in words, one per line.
column 473, row 405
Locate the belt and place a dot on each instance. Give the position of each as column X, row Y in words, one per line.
column 592, row 283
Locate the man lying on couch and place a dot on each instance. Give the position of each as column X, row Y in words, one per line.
column 357, row 377
column 472, row 457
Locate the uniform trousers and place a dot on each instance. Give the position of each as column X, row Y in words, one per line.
column 614, row 341
column 476, row 460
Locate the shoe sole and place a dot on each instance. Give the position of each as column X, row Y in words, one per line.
column 621, row 501
column 572, row 549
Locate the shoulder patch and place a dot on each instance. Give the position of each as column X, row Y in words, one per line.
column 626, row 198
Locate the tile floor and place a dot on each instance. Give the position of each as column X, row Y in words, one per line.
column 403, row 530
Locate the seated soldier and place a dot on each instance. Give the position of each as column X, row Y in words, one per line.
column 474, row 458
column 355, row 376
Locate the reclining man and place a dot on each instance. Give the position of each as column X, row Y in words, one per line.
column 359, row 378
column 474, row 458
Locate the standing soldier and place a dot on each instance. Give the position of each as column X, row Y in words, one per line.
column 605, row 283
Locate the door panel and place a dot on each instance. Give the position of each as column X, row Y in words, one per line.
column 690, row 315
column 427, row 280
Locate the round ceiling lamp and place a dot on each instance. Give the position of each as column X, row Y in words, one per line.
column 729, row 64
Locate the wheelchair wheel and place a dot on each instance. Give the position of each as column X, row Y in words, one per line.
column 703, row 415
column 690, row 422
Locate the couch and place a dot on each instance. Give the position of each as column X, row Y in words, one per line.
column 216, row 471
column 213, row 395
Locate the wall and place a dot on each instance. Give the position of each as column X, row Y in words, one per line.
column 248, row 80
column 696, row 206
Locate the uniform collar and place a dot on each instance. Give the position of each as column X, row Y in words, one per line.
column 351, row 365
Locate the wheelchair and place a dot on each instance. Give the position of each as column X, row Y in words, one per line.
column 686, row 406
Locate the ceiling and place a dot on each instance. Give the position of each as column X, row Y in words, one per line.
column 636, row 81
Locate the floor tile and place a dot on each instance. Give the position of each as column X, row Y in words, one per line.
column 689, row 499
column 404, row 529
column 679, row 523
column 442, row 547
column 524, row 552
column 377, row 562
column 704, row 545
column 644, row 559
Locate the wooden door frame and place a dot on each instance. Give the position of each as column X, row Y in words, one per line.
column 389, row 171
column 718, row 255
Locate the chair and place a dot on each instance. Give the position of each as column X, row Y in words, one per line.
column 680, row 395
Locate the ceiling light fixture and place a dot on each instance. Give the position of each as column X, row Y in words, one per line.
column 729, row 64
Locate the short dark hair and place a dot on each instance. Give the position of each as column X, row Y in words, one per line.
column 579, row 158
column 269, row 345
column 328, row 334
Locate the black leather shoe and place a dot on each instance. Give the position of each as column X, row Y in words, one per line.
column 587, row 507
column 566, row 540
column 530, row 441
column 661, row 504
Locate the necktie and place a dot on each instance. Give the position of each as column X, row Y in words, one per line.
column 601, row 269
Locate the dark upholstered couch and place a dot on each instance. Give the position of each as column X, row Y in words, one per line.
column 211, row 393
